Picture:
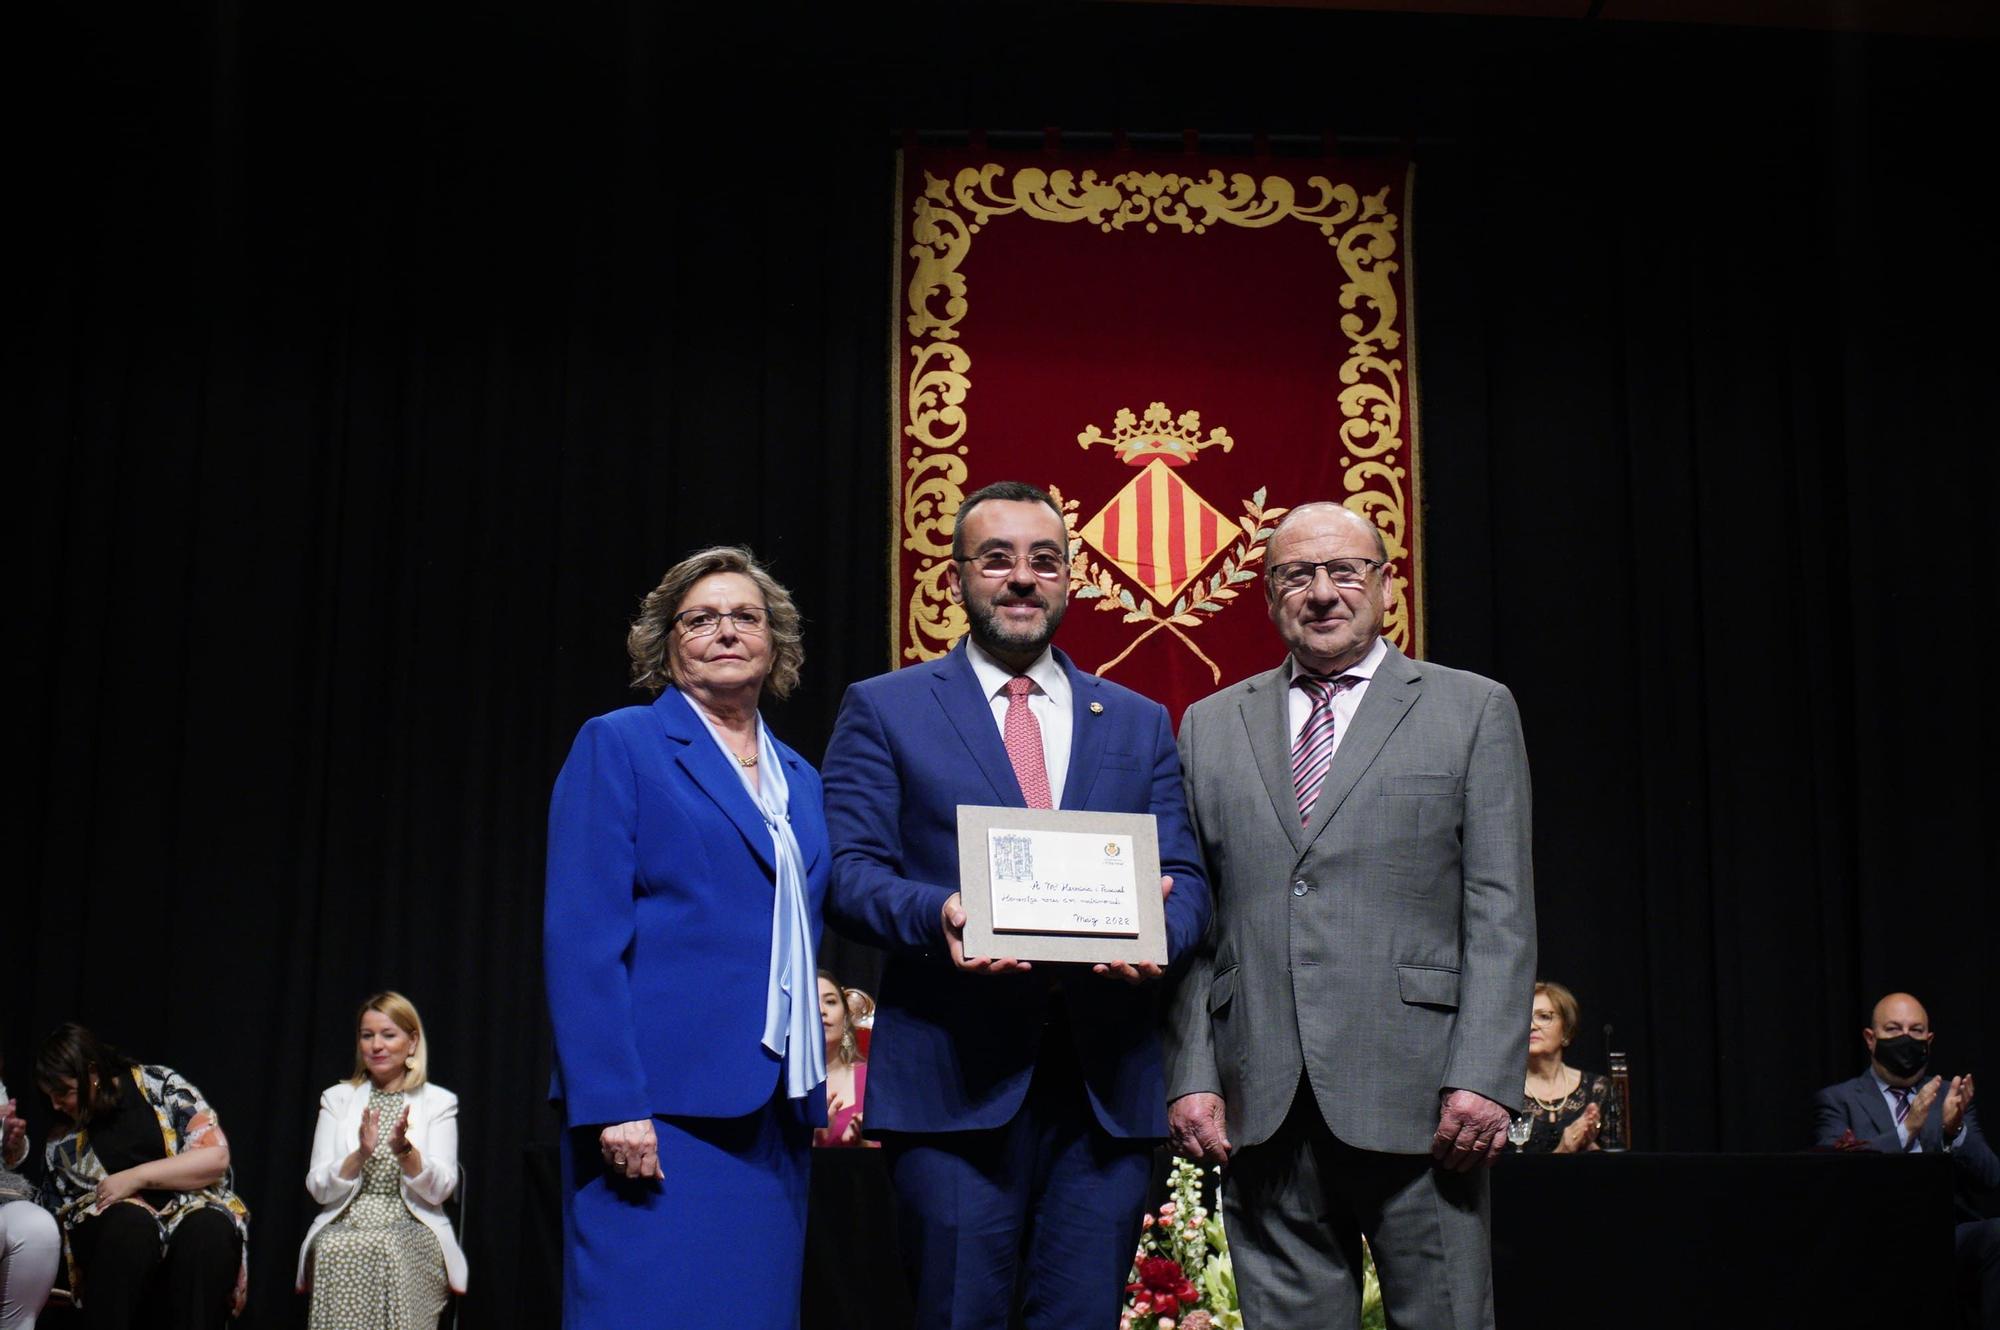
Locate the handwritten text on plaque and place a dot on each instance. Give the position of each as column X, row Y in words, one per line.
column 1062, row 882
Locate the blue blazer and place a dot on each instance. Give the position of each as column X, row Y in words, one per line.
column 656, row 927
column 1857, row 1104
column 954, row 1051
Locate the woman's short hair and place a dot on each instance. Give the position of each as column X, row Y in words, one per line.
column 650, row 643
column 404, row 1013
column 1564, row 1001
column 850, row 1048
column 72, row 1053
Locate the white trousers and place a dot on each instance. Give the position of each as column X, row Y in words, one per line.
column 30, row 1250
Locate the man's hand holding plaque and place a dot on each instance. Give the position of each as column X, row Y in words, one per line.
column 954, row 938
column 1137, row 972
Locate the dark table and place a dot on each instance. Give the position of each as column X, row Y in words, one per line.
column 1632, row 1239
column 1624, row 1240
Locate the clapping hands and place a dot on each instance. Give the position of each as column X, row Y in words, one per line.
column 371, row 1132
column 1581, row 1135
column 1957, row 1099
column 13, row 1134
column 399, row 1135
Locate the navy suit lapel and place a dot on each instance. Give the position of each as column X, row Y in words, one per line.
column 709, row 771
column 1268, row 723
column 956, row 688
column 1088, row 731
column 1873, row 1106
column 1390, row 695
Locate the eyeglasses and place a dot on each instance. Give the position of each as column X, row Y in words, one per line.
column 703, row 623
column 1349, row 573
column 1045, row 564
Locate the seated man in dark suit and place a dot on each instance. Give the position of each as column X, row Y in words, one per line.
column 1892, row 1107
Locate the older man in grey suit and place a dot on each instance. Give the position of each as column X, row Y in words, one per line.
column 1351, row 1037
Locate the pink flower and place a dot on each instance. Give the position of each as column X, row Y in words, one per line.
column 1197, row 1320
column 1146, row 1222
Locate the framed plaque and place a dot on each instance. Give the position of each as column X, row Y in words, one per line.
column 1044, row 884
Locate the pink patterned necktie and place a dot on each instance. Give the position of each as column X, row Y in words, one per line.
column 1313, row 753
column 1023, row 735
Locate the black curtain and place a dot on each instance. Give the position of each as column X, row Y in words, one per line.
column 369, row 364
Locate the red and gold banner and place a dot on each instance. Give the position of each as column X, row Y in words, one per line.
column 1179, row 349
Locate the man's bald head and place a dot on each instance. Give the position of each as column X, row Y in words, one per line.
column 1339, row 512
column 1326, row 625
column 1897, row 1019
column 1901, row 1010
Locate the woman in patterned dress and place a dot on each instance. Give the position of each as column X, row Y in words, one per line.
column 138, row 1178
column 1572, row 1110
column 381, row 1254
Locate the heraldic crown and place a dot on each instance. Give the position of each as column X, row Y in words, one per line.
column 1174, row 442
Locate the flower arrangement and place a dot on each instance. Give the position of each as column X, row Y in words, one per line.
column 1182, row 1277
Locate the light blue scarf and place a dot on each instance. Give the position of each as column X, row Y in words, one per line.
column 792, row 1026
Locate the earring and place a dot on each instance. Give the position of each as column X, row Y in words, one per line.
column 410, row 1062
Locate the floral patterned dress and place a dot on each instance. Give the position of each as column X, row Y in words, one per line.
column 1552, row 1120
column 377, row 1267
column 186, row 1123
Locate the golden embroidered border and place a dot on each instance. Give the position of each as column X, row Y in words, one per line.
column 928, row 405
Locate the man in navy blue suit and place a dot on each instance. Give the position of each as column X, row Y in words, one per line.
column 1891, row 1107
column 1017, row 1106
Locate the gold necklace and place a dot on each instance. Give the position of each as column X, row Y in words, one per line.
column 749, row 761
column 1554, row 1109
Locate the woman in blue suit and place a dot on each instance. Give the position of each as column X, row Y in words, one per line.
column 687, row 866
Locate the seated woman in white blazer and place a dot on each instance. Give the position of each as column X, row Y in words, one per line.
column 381, row 1255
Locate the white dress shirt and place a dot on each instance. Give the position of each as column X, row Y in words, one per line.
column 1048, row 700
column 1345, row 703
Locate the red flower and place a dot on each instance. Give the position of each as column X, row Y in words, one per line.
column 1162, row 1283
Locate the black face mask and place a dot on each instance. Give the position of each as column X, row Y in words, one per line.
column 1904, row 1055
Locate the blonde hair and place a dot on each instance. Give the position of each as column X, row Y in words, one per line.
column 650, row 642
column 404, row 1013
column 848, row 1051
column 1564, row 1001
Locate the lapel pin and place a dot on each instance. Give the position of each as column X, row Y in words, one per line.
column 1096, row 708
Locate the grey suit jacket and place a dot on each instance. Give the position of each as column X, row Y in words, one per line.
column 1388, row 948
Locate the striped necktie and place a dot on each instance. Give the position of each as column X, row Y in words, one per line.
column 1313, row 753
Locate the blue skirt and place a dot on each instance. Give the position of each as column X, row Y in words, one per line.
column 719, row 1238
